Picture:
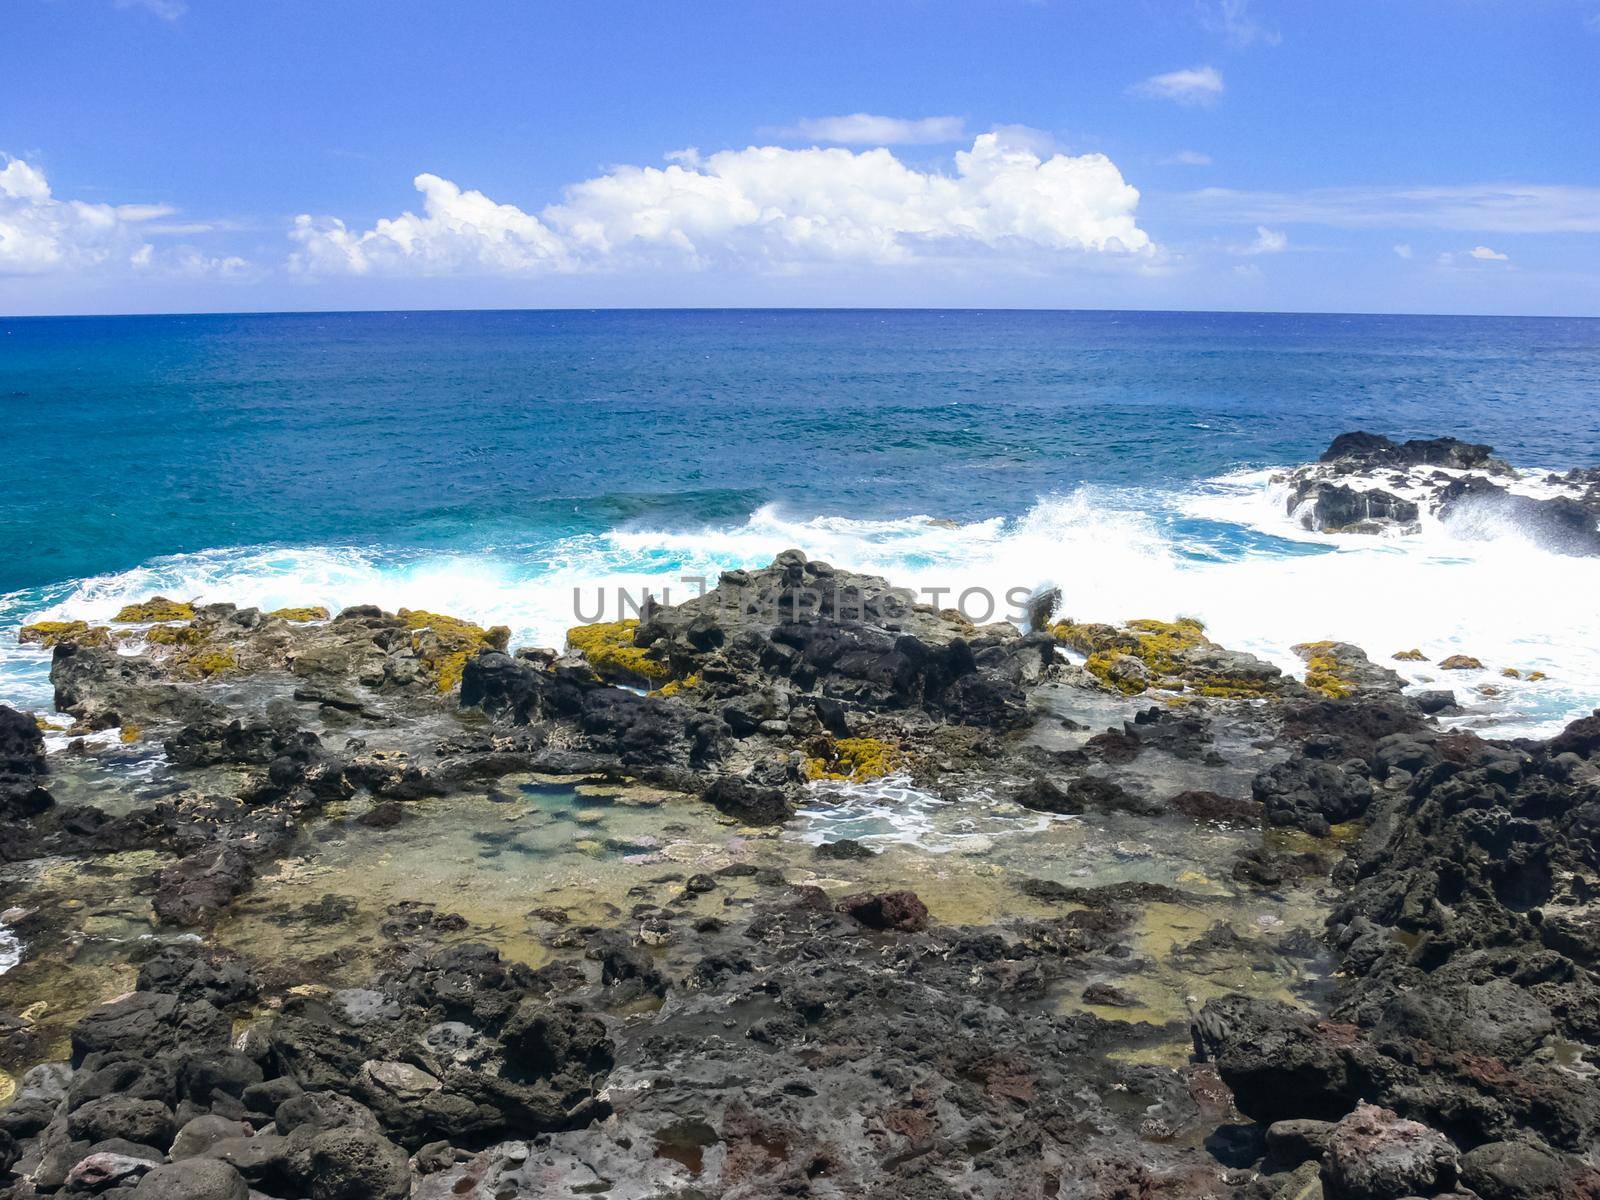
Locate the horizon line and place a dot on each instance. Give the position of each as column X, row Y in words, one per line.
column 714, row 308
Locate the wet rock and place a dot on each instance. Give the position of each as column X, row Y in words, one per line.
column 751, row 803
column 1373, row 1154
column 900, row 911
column 1338, row 508
column 1216, row 809
column 191, row 892
column 844, row 850
column 1107, row 995
column 1434, row 700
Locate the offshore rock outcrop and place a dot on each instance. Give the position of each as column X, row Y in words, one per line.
column 1366, row 483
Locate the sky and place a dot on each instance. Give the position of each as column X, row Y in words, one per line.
column 1438, row 156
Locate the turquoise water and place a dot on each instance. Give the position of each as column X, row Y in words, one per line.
column 489, row 463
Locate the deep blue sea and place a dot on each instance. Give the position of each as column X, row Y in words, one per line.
column 489, row 463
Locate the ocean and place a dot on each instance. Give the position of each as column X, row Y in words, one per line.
column 490, row 464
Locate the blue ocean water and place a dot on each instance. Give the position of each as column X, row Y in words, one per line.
column 491, row 462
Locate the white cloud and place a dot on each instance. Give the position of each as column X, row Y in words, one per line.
column 167, row 10
column 1232, row 19
column 1403, row 249
column 41, row 235
column 867, row 129
column 764, row 208
column 1268, row 241
column 1484, row 254
column 1193, row 85
column 1484, row 207
column 1185, row 158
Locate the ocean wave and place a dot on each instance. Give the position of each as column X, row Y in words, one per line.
column 1224, row 551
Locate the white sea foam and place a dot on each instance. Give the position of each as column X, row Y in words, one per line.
column 891, row 811
column 1225, row 552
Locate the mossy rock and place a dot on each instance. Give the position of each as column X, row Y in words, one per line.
column 300, row 615
column 51, row 633
column 445, row 644
column 1158, row 645
column 1324, row 672
column 1460, row 662
column 608, row 647
column 856, row 760
column 174, row 635
column 209, row 663
column 1409, row 656
column 673, row 687
column 157, row 608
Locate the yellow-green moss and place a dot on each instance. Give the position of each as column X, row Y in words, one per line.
column 609, row 648
column 1460, row 662
column 1410, row 656
column 1159, row 645
column 300, row 614
column 131, row 733
column 1511, row 673
column 207, row 663
column 50, row 633
column 856, row 759
column 1323, row 672
column 174, row 635
column 157, row 608
column 1536, row 676
column 1231, row 687
column 673, row 687
column 444, row 644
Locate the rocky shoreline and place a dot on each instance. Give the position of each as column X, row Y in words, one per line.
column 1209, row 930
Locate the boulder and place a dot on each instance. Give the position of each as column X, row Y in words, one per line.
column 1373, row 1154
column 193, row 1179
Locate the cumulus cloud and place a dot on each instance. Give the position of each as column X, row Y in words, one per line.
column 1185, row 158
column 868, row 129
column 41, row 235
column 1193, row 85
column 1403, row 249
column 1484, row 254
column 764, row 208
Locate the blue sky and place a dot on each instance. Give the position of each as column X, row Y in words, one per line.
column 1403, row 155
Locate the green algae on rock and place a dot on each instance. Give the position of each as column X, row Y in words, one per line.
column 157, row 608
column 1168, row 656
column 609, row 648
column 856, row 759
column 300, row 615
column 48, row 634
column 445, row 643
